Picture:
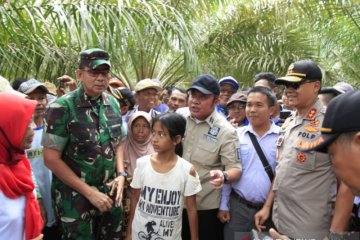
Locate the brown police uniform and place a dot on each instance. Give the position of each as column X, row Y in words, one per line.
column 305, row 185
column 209, row 145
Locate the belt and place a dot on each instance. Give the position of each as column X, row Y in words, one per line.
column 249, row 204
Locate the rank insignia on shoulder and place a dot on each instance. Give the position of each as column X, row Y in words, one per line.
column 301, row 157
column 311, row 129
column 314, row 123
column 211, row 120
column 311, row 114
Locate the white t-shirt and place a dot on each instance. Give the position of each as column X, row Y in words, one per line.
column 159, row 210
column 43, row 175
column 12, row 217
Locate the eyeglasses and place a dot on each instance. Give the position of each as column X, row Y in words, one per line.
column 229, row 91
column 95, row 73
column 296, row 85
column 237, row 107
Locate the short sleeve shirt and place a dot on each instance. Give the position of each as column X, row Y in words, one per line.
column 87, row 132
column 210, row 145
column 305, row 185
column 160, row 206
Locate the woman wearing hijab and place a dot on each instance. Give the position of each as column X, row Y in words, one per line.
column 135, row 145
column 138, row 141
column 20, row 216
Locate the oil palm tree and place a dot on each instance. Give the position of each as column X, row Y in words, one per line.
column 144, row 38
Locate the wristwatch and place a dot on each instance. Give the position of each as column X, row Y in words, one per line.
column 122, row 174
column 226, row 177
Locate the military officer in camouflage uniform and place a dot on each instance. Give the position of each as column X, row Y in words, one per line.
column 83, row 129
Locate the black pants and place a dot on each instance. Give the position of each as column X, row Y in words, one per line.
column 210, row 228
column 52, row 233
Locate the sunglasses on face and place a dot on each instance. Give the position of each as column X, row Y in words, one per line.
column 295, row 85
column 228, row 91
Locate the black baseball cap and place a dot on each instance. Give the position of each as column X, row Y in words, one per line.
column 326, row 90
column 206, row 84
column 300, row 70
column 339, row 88
column 342, row 116
column 123, row 95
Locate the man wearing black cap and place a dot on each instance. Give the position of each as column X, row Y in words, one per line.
column 83, row 129
column 341, row 139
column 304, row 189
column 211, row 145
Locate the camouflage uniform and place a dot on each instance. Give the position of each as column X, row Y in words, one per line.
column 87, row 132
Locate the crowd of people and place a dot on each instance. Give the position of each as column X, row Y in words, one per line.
column 93, row 159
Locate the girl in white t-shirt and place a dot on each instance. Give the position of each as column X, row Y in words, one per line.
column 163, row 183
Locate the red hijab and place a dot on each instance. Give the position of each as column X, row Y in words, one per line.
column 15, row 171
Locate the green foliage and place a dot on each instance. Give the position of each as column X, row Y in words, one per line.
column 145, row 39
column 175, row 40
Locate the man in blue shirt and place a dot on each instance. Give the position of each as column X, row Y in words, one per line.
column 241, row 199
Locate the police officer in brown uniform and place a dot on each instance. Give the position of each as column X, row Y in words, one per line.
column 304, row 189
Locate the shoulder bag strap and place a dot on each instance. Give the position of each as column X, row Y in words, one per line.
column 262, row 157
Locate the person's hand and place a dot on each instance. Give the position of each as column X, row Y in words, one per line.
column 217, row 178
column 42, row 210
column 66, row 84
column 233, row 123
column 117, row 186
column 223, row 216
column 100, row 200
column 275, row 235
column 260, row 218
column 40, row 237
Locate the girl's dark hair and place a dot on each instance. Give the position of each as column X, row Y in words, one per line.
column 175, row 124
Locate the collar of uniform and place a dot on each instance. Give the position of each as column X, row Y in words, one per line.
column 83, row 100
column 311, row 113
column 211, row 119
column 273, row 129
column 222, row 109
column 314, row 110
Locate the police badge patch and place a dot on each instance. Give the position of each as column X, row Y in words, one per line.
column 214, row 131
